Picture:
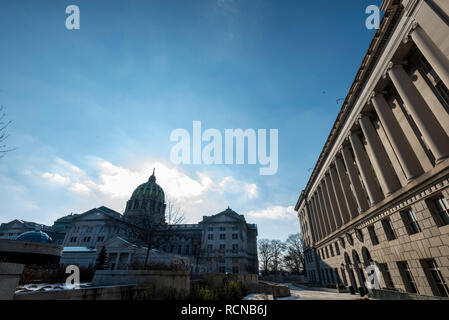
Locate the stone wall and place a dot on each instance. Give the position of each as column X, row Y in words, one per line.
column 9, row 279
column 397, row 295
column 167, row 284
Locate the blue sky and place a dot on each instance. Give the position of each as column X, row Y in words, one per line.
column 93, row 109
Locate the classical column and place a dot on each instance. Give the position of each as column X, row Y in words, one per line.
column 379, row 159
column 317, row 219
column 402, row 148
column 333, row 201
column 426, row 121
column 329, row 214
column 311, row 226
column 339, row 195
column 365, row 169
column 322, row 214
column 329, row 207
column 432, row 53
column 347, row 192
column 354, row 178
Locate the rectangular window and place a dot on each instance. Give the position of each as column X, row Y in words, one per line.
column 222, row 236
column 187, row 250
column 209, row 247
column 222, row 228
column 388, row 228
column 222, row 246
column 235, row 269
column 407, row 277
column 332, row 250
column 410, row 221
column 235, row 236
column 441, row 213
column 222, row 269
column 373, row 235
column 179, row 249
column 435, row 278
column 210, row 236
column 235, row 247
column 387, row 275
column 337, row 248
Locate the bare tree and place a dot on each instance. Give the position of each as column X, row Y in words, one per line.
column 294, row 258
column 277, row 249
column 4, row 124
column 154, row 230
column 265, row 254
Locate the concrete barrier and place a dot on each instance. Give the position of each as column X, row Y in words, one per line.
column 126, row 292
column 276, row 289
column 9, row 279
column 167, row 284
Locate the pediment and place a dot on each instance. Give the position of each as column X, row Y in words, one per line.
column 223, row 217
column 118, row 242
column 93, row 214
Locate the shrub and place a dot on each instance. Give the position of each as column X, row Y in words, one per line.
column 227, row 290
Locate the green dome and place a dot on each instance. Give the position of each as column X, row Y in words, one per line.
column 150, row 189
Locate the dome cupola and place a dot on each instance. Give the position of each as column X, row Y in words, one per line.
column 34, row 236
column 148, row 198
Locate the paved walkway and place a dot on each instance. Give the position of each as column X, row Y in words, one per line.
column 299, row 292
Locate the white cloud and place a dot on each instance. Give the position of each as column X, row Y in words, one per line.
column 274, row 213
column 56, row 178
column 112, row 185
column 231, row 185
column 79, row 188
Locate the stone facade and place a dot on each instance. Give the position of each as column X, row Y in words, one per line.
column 223, row 242
column 379, row 192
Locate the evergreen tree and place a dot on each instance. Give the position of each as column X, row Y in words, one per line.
column 101, row 260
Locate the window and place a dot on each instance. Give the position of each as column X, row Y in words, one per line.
column 210, row 229
column 435, row 278
column 350, row 239
column 100, row 239
column 209, row 247
column 210, row 236
column 234, row 228
column 222, row 236
column 387, row 275
column 235, row 236
column 407, row 277
column 235, row 247
column 86, row 239
column 222, row 246
column 179, row 249
column 389, row 231
column 172, row 249
column 222, row 228
column 222, row 269
column 441, row 213
column 327, row 252
column 235, row 269
column 332, row 250
column 373, row 235
column 73, row 239
column 410, row 221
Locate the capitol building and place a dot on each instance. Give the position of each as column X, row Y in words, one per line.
column 222, row 242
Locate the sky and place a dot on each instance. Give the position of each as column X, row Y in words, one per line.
column 93, row 109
